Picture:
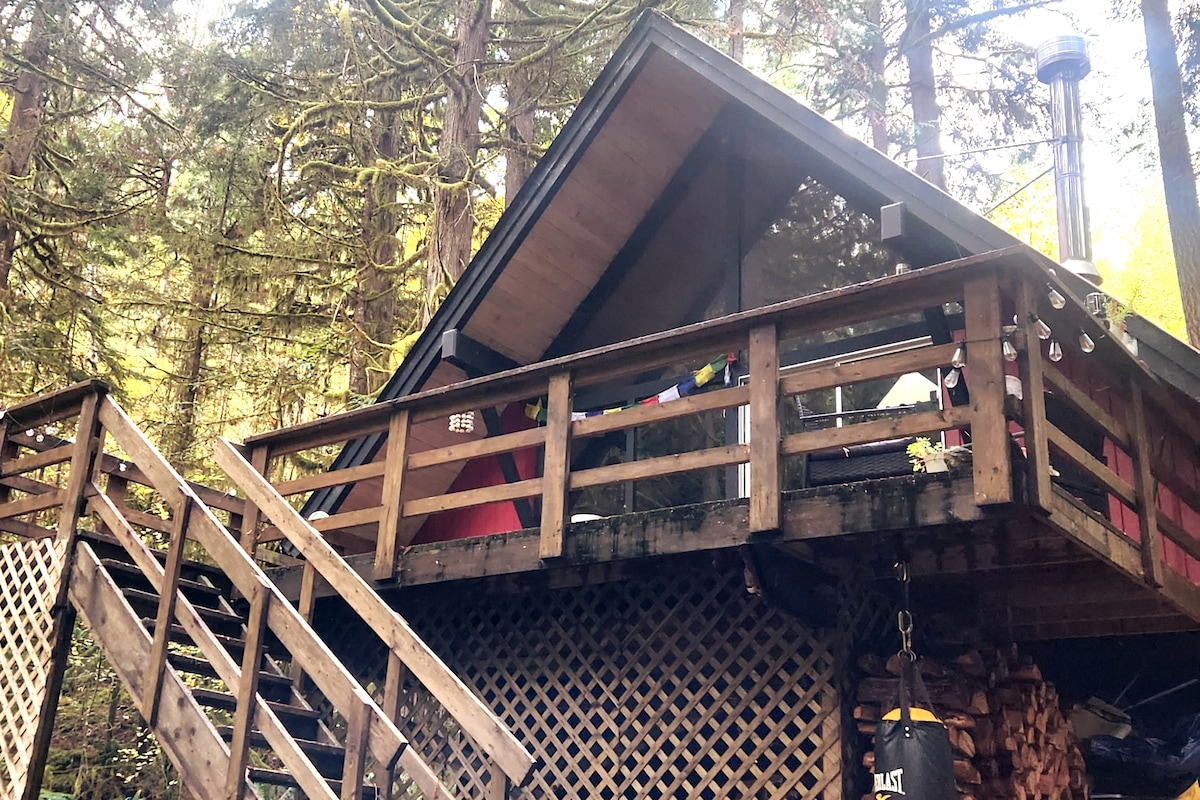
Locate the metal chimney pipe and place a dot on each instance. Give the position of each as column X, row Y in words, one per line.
column 1062, row 62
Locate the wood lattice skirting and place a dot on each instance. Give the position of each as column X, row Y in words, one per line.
column 30, row 579
column 680, row 685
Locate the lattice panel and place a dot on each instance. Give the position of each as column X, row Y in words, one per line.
column 681, row 686
column 30, row 574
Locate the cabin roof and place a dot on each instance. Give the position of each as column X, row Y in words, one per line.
column 551, row 262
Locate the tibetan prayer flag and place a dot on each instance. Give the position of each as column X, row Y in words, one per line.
column 537, row 409
column 668, row 395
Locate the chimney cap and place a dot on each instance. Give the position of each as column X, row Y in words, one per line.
column 1084, row 269
column 1063, row 54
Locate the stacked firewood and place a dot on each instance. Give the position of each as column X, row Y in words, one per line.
column 1010, row 738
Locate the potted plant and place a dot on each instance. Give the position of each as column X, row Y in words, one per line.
column 927, row 456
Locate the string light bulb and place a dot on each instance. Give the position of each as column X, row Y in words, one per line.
column 951, row 379
column 960, row 357
column 462, row 422
column 1055, row 297
column 1040, row 327
column 1009, row 349
column 1085, row 342
column 1055, row 352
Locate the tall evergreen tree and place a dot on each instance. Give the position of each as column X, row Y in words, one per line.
column 1175, row 157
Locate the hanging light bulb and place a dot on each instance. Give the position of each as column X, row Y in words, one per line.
column 1040, row 327
column 462, row 422
column 960, row 357
column 951, row 379
column 1055, row 351
column 1085, row 342
column 1009, row 350
column 1055, row 297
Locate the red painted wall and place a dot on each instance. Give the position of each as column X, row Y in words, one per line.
column 1076, row 367
column 463, row 523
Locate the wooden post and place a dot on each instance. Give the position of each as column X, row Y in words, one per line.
column 118, row 490
column 259, row 459
column 499, row 787
column 393, row 690
column 304, row 607
column 556, row 480
column 393, row 686
column 8, row 451
column 989, row 428
column 1037, row 453
column 166, row 613
column 60, row 654
column 1145, row 488
column 764, row 430
column 388, row 540
column 357, row 731
column 247, row 692
column 831, row 731
column 86, row 436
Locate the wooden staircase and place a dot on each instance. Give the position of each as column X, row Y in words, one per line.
column 228, row 620
column 219, row 663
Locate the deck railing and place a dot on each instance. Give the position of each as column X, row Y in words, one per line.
column 1147, row 465
column 401, row 502
column 994, row 291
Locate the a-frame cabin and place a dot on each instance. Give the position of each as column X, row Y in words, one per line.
column 639, row 485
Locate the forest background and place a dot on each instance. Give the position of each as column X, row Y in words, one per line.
column 241, row 215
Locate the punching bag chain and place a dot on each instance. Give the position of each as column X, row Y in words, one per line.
column 904, row 620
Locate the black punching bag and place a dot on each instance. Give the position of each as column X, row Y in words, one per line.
column 912, row 749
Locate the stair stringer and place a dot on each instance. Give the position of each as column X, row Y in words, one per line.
column 183, row 729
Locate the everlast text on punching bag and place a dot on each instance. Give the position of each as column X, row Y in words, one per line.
column 912, row 749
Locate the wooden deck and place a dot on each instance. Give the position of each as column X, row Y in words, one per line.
column 1009, row 496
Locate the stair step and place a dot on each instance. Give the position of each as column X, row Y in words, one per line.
column 220, row 621
column 273, row 777
column 109, row 547
column 125, row 573
column 234, row 646
column 272, row 686
column 329, row 759
column 301, row 722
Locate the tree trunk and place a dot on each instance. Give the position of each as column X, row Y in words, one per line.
column 518, row 159
column 374, row 295
column 1179, row 177
column 927, row 121
column 877, row 94
column 735, row 21
column 453, row 221
column 180, row 434
column 24, row 126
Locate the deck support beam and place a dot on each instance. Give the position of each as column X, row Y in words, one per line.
column 557, row 467
column 765, row 514
column 991, row 459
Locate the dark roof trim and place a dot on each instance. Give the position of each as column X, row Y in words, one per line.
column 1176, row 362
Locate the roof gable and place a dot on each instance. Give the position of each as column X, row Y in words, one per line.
column 562, row 238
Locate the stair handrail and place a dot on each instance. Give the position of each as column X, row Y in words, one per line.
column 383, row 739
column 471, row 713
